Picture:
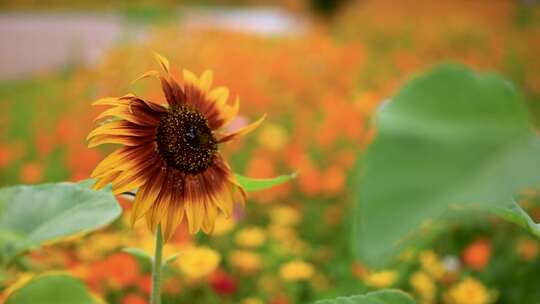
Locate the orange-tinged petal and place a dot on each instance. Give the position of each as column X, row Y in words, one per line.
column 146, row 196
column 242, row 131
column 171, row 220
column 117, row 139
column 105, row 180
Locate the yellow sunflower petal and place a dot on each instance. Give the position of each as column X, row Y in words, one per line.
column 219, row 95
column 171, row 221
column 162, row 61
column 113, row 101
column 189, row 77
column 151, row 73
column 206, row 80
column 146, row 197
column 105, row 180
column 230, row 112
column 242, row 131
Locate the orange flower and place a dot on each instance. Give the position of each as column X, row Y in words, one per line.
column 31, row 173
column 477, row 254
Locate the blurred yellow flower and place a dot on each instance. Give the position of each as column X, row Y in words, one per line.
column 431, row 264
column 97, row 245
column 424, row 286
column 468, row 291
column 252, row 301
column 284, row 216
column 273, row 137
column 245, row 260
column 296, row 271
column 281, row 233
column 198, row 262
column 250, row 237
column 224, row 224
column 381, row 279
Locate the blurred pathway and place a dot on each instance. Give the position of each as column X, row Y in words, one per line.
column 38, row 42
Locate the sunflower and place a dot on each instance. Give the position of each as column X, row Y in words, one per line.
column 170, row 152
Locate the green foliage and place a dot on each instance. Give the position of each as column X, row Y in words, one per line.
column 256, row 184
column 386, row 296
column 51, row 289
column 33, row 215
column 139, row 254
column 450, row 137
column 514, row 213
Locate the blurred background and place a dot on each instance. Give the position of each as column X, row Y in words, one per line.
column 319, row 69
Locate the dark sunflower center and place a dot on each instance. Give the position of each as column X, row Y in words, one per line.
column 184, row 140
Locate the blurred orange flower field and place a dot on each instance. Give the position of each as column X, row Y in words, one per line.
column 321, row 89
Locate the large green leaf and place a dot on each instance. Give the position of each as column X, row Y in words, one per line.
column 32, row 215
column 387, row 296
column 450, row 136
column 515, row 214
column 256, row 184
column 51, row 289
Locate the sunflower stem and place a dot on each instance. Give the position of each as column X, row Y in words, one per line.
column 155, row 297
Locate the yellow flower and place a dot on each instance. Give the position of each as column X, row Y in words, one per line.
column 424, row 286
column 170, row 152
column 284, row 216
column 273, row 137
column 381, row 279
column 250, row 237
column 245, row 260
column 224, row 224
column 198, row 262
column 296, row 271
column 282, row 233
column 431, row 264
column 252, row 301
column 468, row 291
column 96, row 245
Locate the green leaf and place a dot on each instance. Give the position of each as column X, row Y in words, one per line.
column 515, row 214
column 51, row 289
column 385, row 296
column 450, row 137
column 171, row 259
column 256, row 184
column 33, row 215
column 139, row 254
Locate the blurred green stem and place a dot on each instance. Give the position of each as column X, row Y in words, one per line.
column 155, row 297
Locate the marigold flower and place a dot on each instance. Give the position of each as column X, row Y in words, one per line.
column 381, row 279
column 477, row 254
column 296, row 271
column 170, row 152
column 245, row 260
column 424, row 286
column 284, row 216
column 468, row 291
column 431, row 264
column 198, row 262
column 250, row 237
